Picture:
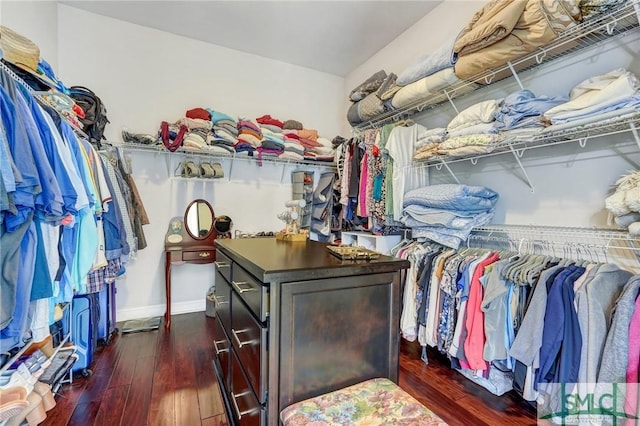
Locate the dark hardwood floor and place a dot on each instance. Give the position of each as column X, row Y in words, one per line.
column 159, row 378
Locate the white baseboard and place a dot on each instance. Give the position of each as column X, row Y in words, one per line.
column 158, row 310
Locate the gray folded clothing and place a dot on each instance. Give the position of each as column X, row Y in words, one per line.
column 292, row 125
column 370, row 85
column 388, row 88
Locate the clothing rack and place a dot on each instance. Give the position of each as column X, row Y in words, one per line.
column 39, row 97
column 569, row 242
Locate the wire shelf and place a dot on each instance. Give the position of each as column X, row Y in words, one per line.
column 581, row 134
column 192, row 153
column 586, row 34
column 549, row 236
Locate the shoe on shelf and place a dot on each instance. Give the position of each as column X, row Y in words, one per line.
column 12, row 402
column 34, row 413
column 217, row 168
column 206, row 170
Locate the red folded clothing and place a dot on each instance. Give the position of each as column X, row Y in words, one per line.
column 267, row 119
column 198, row 113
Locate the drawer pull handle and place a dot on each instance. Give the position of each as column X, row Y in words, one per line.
column 218, row 302
column 235, row 405
column 219, row 351
column 204, row 254
column 247, row 287
column 221, row 264
column 235, row 336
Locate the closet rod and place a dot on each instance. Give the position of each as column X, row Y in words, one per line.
column 41, row 99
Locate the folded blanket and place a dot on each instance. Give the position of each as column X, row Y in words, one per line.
column 435, row 135
column 442, row 236
column 424, row 87
column 490, row 24
column 271, row 128
column 488, row 45
column 388, row 88
column 453, row 197
column 601, row 119
column 416, row 215
column 427, row 151
column 370, row 85
column 476, row 129
column 481, row 112
column 428, row 64
column 475, row 139
column 614, row 90
column 523, row 104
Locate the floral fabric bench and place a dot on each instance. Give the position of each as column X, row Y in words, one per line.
column 375, row 402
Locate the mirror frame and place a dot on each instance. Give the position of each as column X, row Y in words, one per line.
column 186, row 223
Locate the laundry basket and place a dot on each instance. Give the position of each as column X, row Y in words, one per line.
column 210, row 309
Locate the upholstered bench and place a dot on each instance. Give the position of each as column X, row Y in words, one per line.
column 375, row 402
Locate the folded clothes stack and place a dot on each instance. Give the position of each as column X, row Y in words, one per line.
column 447, row 213
column 272, row 136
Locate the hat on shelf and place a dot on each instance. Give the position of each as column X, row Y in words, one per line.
column 24, row 54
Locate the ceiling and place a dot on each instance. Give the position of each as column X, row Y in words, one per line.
column 328, row 36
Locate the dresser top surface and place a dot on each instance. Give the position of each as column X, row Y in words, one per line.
column 272, row 260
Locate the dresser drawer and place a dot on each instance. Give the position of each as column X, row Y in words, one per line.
column 222, row 301
column 244, row 406
column 204, row 256
column 222, row 350
column 252, row 291
column 249, row 340
column 223, row 265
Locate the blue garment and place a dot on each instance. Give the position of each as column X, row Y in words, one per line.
column 48, row 202
column 28, row 187
column 82, row 200
column 6, row 164
column 41, row 287
column 11, row 335
column 556, row 351
column 523, row 104
column 112, row 222
column 80, row 163
column 50, row 138
column 569, row 360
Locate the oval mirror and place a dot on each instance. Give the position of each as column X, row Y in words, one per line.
column 199, row 219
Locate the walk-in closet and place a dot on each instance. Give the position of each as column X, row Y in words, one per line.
column 319, row 213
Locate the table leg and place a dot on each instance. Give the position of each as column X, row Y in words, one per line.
column 167, row 285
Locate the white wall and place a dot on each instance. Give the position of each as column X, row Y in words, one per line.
column 145, row 76
column 570, row 182
column 36, row 20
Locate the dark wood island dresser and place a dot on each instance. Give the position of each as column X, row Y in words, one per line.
column 295, row 321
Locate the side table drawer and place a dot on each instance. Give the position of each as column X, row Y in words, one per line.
column 252, row 291
column 199, row 255
column 249, row 340
column 223, row 265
